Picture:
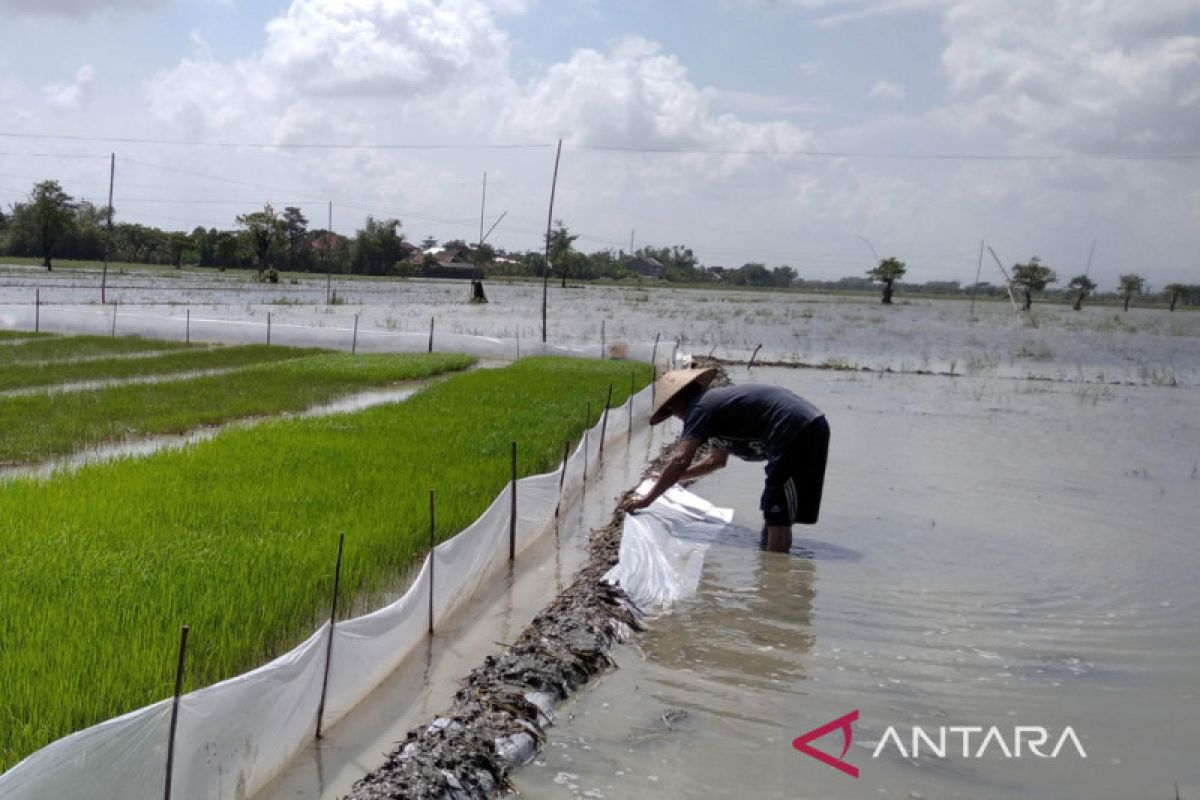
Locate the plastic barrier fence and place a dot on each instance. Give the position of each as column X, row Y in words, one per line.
column 235, row 736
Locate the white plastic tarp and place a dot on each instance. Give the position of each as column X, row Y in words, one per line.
column 235, row 736
column 663, row 546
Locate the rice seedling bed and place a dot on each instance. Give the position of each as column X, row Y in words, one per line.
column 236, row 536
column 40, row 426
column 25, row 375
column 59, row 348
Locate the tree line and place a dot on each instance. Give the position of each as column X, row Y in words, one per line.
column 51, row 224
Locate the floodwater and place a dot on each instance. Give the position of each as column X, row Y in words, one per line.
column 990, row 553
column 504, row 605
column 1145, row 345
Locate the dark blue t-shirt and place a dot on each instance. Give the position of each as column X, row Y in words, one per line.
column 753, row 422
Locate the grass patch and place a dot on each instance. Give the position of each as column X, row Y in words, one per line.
column 61, row 348
column 20, row 376
column 36, row 427
column 236, row 537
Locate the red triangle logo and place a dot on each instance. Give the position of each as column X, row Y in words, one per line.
column 843, row 724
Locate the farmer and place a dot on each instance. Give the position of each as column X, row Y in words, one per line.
column 754, row 423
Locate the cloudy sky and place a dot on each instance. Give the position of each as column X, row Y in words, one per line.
column 779, row 131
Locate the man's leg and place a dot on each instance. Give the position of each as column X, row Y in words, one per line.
column 779, row 538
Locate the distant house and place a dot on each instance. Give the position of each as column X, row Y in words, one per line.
column 410, row 252
column 646, row 267
column 453, row 262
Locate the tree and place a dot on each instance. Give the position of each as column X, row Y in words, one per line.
column 295, row 236
column 784, row 276
column 377, row 247
column 53, row 214
column 177, row 245
column 1174, row 291
column 225, row 250
column 561, row 240
column 1131, row 284
column 263, row 233
column 1033, row 277
column 1082, row 285
column 888, row 272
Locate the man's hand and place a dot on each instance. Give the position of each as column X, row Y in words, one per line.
column 635, row 504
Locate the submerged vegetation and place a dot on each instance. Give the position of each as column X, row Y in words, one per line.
column 236, row 536
column 63, row 348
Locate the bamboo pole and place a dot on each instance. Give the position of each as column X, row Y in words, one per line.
column 337, row 580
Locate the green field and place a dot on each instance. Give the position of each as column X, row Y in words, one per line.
column 64, row 348
column 72, row 421
column 236, row 536
column 51, row 373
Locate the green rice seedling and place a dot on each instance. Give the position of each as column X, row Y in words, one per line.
column 57, row 348
column 39, row 426
column 235, row 536
column 20, row 376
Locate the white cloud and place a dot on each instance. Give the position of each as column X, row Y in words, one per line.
column 887, row 90
column 1076, row 75
column 327, row 63
column 72, row 95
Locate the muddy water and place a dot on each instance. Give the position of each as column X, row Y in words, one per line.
column 423, row 686
column 990, row 553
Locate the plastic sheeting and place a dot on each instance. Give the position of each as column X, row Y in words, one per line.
column 341, row 335
column 663, row 547
column 236, row 736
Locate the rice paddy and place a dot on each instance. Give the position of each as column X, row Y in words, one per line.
column 51, row 348
column 51, row 373
column 74, row 421
column 236, row 536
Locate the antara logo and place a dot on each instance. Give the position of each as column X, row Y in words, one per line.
column 1025, row 740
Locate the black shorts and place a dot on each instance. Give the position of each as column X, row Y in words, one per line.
column 795, row 479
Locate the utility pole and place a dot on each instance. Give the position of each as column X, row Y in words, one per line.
column 978, row 272
column 112, row 173
column 631, row 243
column 549, row 219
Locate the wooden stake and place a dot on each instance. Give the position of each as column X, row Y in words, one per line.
column 37, row 310
column 431, row 334
column 604, row 421
column 337, row 580
column 512, row 518
column 268, row 328
column 187, row 331
column 432, row 544
column 354, row 341
column 183, row 638
column 562, row 475
column 549, row 222
column 753, row 355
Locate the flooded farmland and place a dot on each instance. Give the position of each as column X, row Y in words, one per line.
column 990, row 553
column 1011, row 547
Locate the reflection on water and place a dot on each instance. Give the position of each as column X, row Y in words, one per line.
column 961, row 575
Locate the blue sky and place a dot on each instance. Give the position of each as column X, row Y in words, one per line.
column 1074, row 103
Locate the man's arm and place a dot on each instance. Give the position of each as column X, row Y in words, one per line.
column 715, row 461
column 685, row 451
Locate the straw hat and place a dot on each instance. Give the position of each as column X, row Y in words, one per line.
column 671, row 384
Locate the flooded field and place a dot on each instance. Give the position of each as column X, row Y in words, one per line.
column 991, row 553
column 1147, row 346
column 1013, row 547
